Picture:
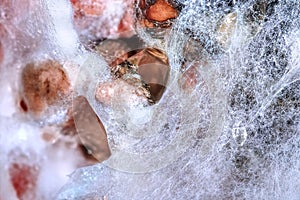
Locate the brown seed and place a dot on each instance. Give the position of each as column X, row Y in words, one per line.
column 147, row 70
column 90, row 129
column 226, row 29
column 113, row 51
column 154, row 70
column 44, row 84
column 255, row 15
column 161, row 11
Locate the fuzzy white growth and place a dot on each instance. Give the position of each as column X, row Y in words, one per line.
column 248, row 98
column 61, row 17
column 234, row 135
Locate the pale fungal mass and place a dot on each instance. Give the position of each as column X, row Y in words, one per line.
column 149, row 99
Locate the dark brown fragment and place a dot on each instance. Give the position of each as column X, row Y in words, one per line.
column 23, row 105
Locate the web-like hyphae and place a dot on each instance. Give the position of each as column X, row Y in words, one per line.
column 244, row 113
column 227, row 125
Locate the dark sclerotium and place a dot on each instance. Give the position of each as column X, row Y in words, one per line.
column 23, row 105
